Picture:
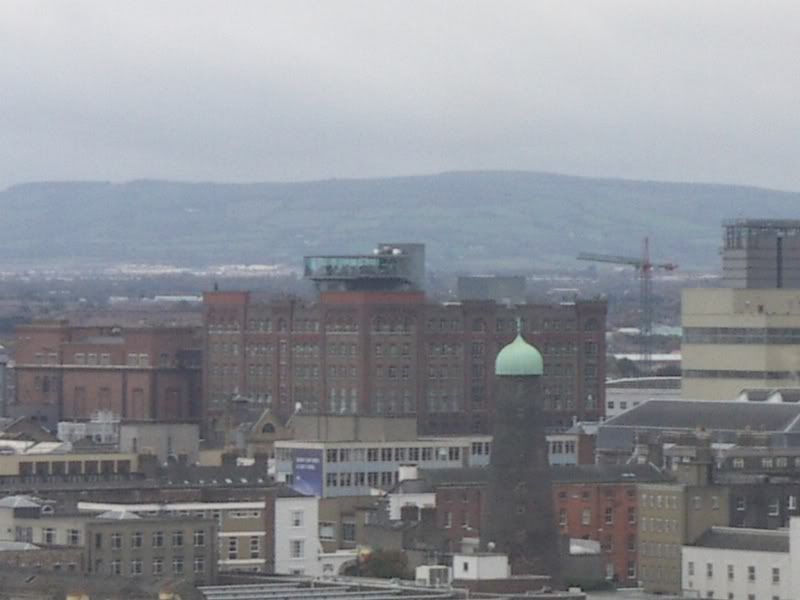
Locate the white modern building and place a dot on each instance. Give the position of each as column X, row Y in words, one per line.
column 355, row 468
column 742, row 564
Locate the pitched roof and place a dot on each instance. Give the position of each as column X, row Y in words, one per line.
column 18, row 502
column 712, row 415
column 751, row 540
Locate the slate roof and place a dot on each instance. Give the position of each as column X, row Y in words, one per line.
column 19, row 502
column 559, row 474
column 751, row 540
column 719, row 415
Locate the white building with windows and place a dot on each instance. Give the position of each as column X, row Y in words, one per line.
column 734, row 563
column 355, row 468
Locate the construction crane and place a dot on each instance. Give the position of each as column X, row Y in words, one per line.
column 644, row 268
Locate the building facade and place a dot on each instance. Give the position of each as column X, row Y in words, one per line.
column 672, row 515
column 739, row 339
column 351, row 468
column 733, row 562
column 393, row 353
column 66, row 372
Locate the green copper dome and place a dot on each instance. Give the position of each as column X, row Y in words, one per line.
column 519, row 358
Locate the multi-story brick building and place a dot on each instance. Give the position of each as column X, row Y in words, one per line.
column 71, row 372
column 394, row 353
column 601, row 503
column 373, row 345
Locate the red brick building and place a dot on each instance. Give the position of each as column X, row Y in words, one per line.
column 70, row 372
column 594, row 502
column 394, row 353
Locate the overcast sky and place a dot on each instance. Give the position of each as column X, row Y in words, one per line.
column 254, row 91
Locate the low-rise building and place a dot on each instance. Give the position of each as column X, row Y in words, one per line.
column 734, row 562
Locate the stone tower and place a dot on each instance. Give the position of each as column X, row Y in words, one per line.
column 518, row 517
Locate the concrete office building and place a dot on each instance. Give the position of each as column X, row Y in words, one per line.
column 373, row 345
column 747, row 334
column 761, row 254
column 502, row 289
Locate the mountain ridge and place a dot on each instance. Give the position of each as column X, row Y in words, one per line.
column 511, row 221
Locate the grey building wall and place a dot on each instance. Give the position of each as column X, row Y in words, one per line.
column 162, row 439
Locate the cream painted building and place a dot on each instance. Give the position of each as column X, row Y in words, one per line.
column 739, row 339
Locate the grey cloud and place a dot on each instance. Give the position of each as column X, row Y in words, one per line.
column 244, row 91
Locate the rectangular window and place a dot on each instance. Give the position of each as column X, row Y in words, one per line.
column 116, row 541
column 776, row 575
column 731, row 573
column 709, row 570
column 136, row 567
column 177, row 566
column 136, row 539
column 158, row 566
column 199, row 565
column 327, row 530
column 296, row 549
column 297, row 518
column 751, row 573
column 609, row 515
column 774, row 508
column 199, row 538
column 158, row 539
column 233, row 548
column 586, row 516
column 255, row 547
column 177, row 538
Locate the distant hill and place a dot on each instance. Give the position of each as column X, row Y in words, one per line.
column 481, row 221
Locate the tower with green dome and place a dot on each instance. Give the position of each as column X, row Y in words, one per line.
column 518, row 519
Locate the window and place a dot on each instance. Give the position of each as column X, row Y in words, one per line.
column 73, row 537
column 738, row 463
column 631, row 515
column 199, row 538
column 609, row 515
column 177, row 565
column 691, row 568
column 177, row 538
column 158, row 539
column 448, row 520
column 709, row 570
column 158, row 566
column 49, row 535
column 115, row 567
column 776, row 575
column 233, row 548
column 199, row 564
column 297, row 518
column 751, row 573
column 327, row 530
column 136, row 539
column 715, row 502
column 116, row 541
column 741, row 503
column 631, row 569
column 774, row 507
column 348, row 531
column 586, row 516
column 562, row 517
column 697, row 502
column 296, row 549
column 136, row 566
column 255, row 547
